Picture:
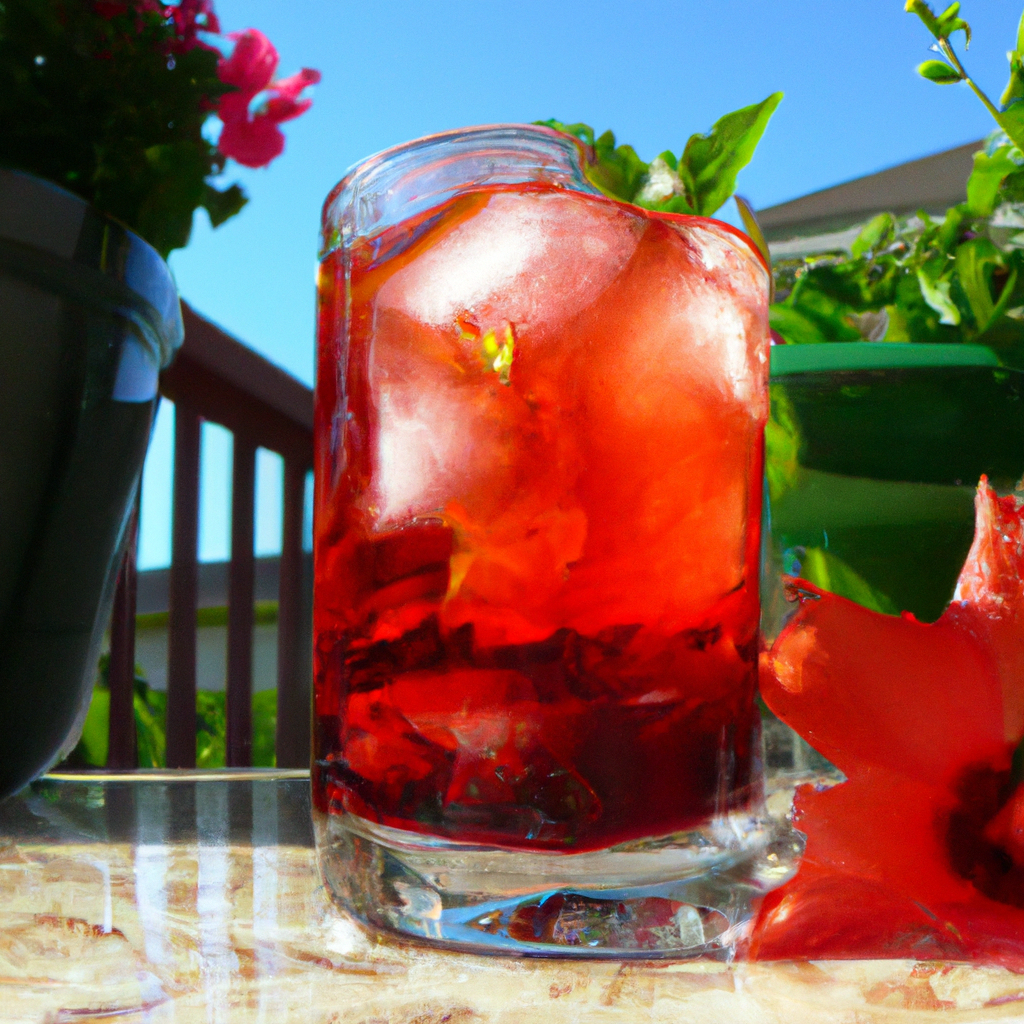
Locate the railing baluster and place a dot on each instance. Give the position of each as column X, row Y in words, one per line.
column 121, row 747
column 293, row 708
column 181, row 625
column 241, row 582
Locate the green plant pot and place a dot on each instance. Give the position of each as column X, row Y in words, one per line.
column 874, row 451
column 88, row 316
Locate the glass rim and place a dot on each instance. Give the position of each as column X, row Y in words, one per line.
column 372, row 172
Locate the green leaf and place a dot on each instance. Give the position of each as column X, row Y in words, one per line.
column 92, row 747
column 782, row 444
column 952, row 226
column 581, row 131
column 616, row 170
column 796, row 328
column 711, row 162
column 925, row 13
column 264, row 724
column 1011, row 120
column 949, row 22
column 222, row 205
column 1015, row 85
column 1012, row 189
column 936, row 294
column 938, row 71
column 986, row 179
column 825, row 570
column 975, row 261
column 875, row 233
column 1004, row 300
column 753, row 226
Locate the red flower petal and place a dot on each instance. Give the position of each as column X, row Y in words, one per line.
column 251, row 64
column 291, row 86
column 252, row 143
column 280, row 109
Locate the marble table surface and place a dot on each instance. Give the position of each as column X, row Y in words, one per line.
column 174, row 898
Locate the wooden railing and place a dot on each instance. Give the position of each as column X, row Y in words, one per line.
column 218, row 379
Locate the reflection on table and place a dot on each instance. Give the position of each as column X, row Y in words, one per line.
column 180, row 898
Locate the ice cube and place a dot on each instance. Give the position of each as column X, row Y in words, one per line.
column 532, row 259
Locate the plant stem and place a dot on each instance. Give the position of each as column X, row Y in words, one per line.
column 950, row 54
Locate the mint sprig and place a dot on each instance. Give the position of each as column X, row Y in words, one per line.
column 699, row 181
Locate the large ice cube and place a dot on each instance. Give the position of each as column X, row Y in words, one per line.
column 450, row 426
column 531, row 259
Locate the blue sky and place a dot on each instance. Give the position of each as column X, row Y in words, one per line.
column 654, row 72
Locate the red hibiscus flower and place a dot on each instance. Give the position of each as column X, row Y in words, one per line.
column 251, row 115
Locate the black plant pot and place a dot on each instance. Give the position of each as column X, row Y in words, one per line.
column 88, row 316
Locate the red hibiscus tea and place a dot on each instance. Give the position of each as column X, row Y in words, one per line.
column 539, row 455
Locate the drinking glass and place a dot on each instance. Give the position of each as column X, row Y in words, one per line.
column 539, row 462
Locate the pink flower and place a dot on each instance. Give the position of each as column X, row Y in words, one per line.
column 191, row 17
column 252, row 113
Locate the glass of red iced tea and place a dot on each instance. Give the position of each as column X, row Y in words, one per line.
column 539, row 445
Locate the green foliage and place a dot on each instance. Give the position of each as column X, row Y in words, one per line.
column 111, row 109
column 151, row 732
column 697, row 182
column 824, row 569
column 1010, row 114
column 940, row 72
column 989, row 173
column 954, row 280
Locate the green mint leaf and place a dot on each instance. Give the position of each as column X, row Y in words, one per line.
column 617, row 170
column 986, row 179
column 221, row 205
column 712, row 161
column 936, row 294
column 938, row 71
column 925, row 13
column 583, row 132
column 874, row 234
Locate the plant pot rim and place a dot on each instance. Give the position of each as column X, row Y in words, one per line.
column 876, row 355
column 55, row 239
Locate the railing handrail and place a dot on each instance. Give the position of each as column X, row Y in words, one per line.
column 230, row 384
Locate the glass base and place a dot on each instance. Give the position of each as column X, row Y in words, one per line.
column 691, row 894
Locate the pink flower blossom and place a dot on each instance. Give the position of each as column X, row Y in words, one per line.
column 191, row 17
column 251, row 115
